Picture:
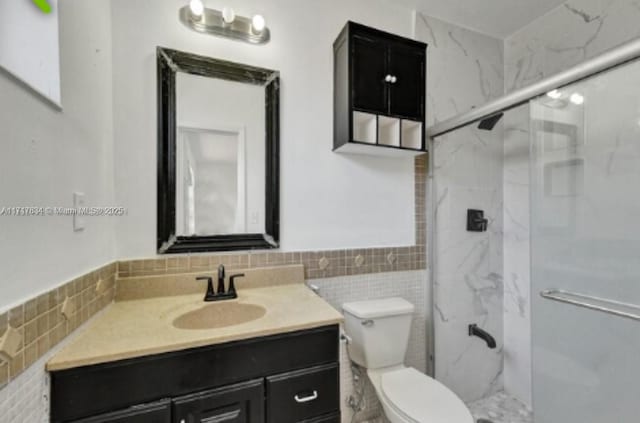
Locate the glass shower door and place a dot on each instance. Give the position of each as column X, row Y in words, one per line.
column 585, row 250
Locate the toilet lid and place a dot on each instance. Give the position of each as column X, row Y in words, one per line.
column 422, row 398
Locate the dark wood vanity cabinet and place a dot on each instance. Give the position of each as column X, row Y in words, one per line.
column 286, row 378
column 379, row 91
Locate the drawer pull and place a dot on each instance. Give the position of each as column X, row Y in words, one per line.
column 306, row 399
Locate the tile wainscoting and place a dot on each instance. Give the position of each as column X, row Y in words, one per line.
column 41, row 323
column 26, row 398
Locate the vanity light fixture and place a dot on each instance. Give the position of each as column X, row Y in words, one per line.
column 224, row 23
column 258, row 24
column 555, row 94
column 197, row 9
column 577, row 99
column 228, row 15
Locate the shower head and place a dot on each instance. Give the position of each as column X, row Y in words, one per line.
column 488, row 124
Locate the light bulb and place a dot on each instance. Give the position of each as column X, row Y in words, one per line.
column 576, row 99
column 197, row 8
column 258, row 24
column 555, row 94
column 228, row 15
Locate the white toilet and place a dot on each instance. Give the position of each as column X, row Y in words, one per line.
column 379, row 332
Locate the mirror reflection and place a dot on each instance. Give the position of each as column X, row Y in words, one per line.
column 220, row 136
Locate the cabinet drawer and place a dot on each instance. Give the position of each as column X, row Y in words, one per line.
column 240, row 403
column 304, row 394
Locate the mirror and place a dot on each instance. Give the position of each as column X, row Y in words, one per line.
column 218, row 171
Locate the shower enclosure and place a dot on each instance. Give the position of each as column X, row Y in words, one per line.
column 585, row 250
column 570, row 221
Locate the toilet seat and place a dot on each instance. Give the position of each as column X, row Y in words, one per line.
column 422, row 399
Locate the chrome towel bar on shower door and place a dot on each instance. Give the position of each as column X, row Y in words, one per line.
column 616, row 308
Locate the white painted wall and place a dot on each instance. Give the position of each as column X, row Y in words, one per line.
column 327, row 200
column 46, row 155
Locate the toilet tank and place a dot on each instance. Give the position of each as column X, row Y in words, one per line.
column 379, row 331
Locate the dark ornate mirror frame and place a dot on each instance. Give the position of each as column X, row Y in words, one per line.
column 169, row 62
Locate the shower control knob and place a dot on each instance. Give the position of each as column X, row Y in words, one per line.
column 388, row 78
column 394, row 79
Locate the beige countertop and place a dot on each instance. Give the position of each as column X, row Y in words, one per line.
column 140, row 327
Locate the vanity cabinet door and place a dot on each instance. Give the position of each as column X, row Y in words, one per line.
column 304, row 395
column 407, row 66
column 158, row 412
column 240, row 403
column 369, row 61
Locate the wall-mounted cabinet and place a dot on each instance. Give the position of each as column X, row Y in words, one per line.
column 379, row 92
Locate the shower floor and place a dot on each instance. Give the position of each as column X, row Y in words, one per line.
column 501, row 408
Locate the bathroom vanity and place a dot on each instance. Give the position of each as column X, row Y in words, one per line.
column 173, row 358
column 291, row 377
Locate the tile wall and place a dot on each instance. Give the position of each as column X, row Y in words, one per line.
column 27, row 398
column 465, row 71
column 42, row 324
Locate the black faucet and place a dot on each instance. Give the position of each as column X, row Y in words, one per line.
column 221, row 279
column 474, row 330
column 211, row 295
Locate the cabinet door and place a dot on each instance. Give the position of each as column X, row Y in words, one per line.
column 158, row 412
column 369, row 69
column 407, row 91
column 240, row 403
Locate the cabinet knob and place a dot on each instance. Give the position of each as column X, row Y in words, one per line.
column 388, row 78
column 394, row 79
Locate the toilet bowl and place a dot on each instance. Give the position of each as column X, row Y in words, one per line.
column 379, row 334
column 408, row 396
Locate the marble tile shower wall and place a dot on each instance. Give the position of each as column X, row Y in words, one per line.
column 466, row 70
column 517, row 298
column 573, row 32
column 410, row 285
